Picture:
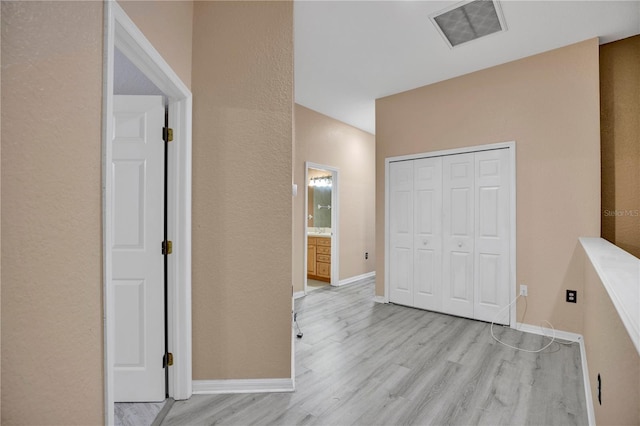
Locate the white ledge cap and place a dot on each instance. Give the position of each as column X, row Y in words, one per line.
column 619, row 272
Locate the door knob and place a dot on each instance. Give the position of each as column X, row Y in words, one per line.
column 425, row 242
column 459, row 244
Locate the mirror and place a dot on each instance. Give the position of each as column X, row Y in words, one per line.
column 319, row 187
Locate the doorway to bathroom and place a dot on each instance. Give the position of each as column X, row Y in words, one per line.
column 321, row 226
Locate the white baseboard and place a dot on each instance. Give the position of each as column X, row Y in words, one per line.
column 242, row 386
column 573, row 337
column 299, row 294
column 379, row 299
column 544, row 331
column 293, row 360
column 356, row 278
column 591, row 414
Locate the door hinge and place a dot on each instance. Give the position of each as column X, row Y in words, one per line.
column 167, row 134
column 167, row 360
column 167, row 247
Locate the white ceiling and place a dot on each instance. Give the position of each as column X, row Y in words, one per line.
column 348, row 53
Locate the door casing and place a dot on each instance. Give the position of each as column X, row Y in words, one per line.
column 512, row 210
column 122, row 33
column 335, row 217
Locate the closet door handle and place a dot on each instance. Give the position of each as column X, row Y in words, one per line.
column 460, row 244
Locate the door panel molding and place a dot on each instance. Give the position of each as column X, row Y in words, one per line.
column 427, row 233
column 401, row 232
column 458, row 234
column 492, row 242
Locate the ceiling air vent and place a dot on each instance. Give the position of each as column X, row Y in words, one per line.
column 468, row 21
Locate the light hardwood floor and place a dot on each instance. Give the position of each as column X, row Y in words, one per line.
column 137, row 413
column 365, row 363
column 313, row 285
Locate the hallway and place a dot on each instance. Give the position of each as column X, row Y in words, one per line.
column 361, row 362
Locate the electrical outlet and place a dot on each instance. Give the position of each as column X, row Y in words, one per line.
column 572, row 296
column 523, row 290
column 366, row 256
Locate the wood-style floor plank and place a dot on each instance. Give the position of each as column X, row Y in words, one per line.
column 136, row 413
column 365, row 363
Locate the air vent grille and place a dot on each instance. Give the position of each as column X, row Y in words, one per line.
column 469, row 21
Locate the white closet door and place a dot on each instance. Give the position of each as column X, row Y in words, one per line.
column 427, row 261
column 401, row 233
column 458, row 234
column 492, row 235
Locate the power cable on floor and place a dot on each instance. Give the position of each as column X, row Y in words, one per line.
column 553, row 337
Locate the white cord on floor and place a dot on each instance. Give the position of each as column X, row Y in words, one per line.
column 553, row 338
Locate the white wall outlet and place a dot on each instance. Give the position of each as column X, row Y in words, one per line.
column 523, row 290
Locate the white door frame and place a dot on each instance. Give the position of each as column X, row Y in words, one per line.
column 512, row 207
column 122, row 33
column 335, row 228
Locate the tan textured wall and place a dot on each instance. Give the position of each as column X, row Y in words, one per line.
column 0, row 219
column 549, row 105
column 52, row 348
column 242, row 163
column 620, row 135
column 324, row 140
column 611, row 353
column 168, row 25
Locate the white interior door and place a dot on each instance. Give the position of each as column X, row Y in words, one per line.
column 458, row 234
column 427, row 276
column 401, row 233
column 138, row 231
column 492, row 235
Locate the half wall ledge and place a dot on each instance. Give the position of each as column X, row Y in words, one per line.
column 619, row 272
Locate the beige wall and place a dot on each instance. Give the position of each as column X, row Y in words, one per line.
column 610, row 353
column 51, row 304
column 0, row 223
column 242, row 154
column 549, row 105
column 620, row 133
column 52, row 347
column 324, row 140
column 51, row 239
column 168, row 25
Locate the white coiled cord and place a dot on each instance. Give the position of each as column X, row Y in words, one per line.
column 553, row 338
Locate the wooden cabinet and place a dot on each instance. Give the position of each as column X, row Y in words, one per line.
column 311, row 256
column 319, row 258
column 323, row 258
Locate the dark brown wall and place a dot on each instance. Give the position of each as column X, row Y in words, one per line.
column 620, row 142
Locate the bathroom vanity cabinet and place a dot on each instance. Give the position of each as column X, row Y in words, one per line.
column 319, row 258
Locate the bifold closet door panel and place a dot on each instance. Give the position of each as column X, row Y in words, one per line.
column 401, row 233
column 427, row 243
column 492, row 224
column 458, row 234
